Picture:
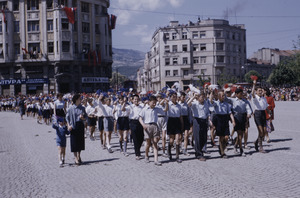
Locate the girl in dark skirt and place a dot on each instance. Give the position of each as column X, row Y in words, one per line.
column 46, row 111
column 75, row 118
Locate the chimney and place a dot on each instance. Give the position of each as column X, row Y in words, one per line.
column 174, row 23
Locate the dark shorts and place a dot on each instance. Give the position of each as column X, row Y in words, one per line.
column 100, row 123
column 46, row 114
column 91, row 121
column 221, row 122
column 260, row 118
column 240, row 121
column 174, row 126
column 186, row 123
column 123, row 123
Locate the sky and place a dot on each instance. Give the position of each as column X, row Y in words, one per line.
column 268, row 23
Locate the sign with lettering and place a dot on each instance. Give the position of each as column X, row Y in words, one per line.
column 95, row 80
column 24, row 81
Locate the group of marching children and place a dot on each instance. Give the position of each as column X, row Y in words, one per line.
column 177, row 118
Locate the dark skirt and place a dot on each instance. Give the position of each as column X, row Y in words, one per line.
column 240, row 121
column 260, row 118
column 186, row 123
column 123, row 123
column 77, row 138
column 221, row 122
column 22, row 111
column 46, row 114
column 91, row 121
column 174, row 126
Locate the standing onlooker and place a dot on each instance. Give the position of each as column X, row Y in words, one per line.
column 269, row 113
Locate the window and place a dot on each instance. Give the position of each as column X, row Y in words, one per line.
column 228, row 34
column 228, row 59
column 50, row 25
column 220, row 59
column 64, row 24
column 65, row 46
column 97, row 28
column 220, row 46
column 17, row 48
column 33, row 26
column 203, row 59
column 195, row 35
column 104, row 10
column 174, row 36
column 233, row 36
column 49, row 4
column 32, row 4
column 185, row 72
column 97, row 11
column 184, row 48
column 1, row 27
column 184, row 35
column 167, row 48
column 75, row 50
column 167, row 61
column 50, row 47
column 16, row 5
column 74, row 27
column 16, row 26
column 218, row 33
column 166, row 36
column 202, row 34
column 85, row 27
column 185, row 60
column 238, row 36
column 203, row 47
column 167, row 72
column 63, row 2
column 196, row 71
column 174, row 48
column 34, row 47
column 234, row 71
column 196, row 60
column 74, row 3
column 84, row 7
column 234, row 59
column 195, row 47
column 175, row 61
column 175, row 72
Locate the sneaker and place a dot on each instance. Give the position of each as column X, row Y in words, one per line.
column 126, row 154
column 202, row 159
column 60, row 163
column 157, row 163
column 147, row 160
column 246, row 147
column 110, row 150
column 137, row 158
column 165, row 155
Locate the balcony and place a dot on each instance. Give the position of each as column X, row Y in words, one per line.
column 33, row 15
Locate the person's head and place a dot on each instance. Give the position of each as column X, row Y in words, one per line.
column 59, row 96
column 152, row 101
column 135, row 99
column 267, row 91
column 90, row 101
column 61, row 121
column 159, row 97
column 259, row 91
column 227, row 92
column 221, row 96
column 182, row 96
column 76, row 99
column 107, row 101
column 173, row 97
column 201, row 97
column 239, row 93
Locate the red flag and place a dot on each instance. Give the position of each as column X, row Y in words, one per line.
column 94, row 56
column 70, row 12
column 253, row 77
column 24, row 49
column 113, row 21
column 99, row 57
column 3, row 12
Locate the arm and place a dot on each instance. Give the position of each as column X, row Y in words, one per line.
column 232, row 119
column 253, row 88
column 166, row 106
column 142, row 123
column 189, row 103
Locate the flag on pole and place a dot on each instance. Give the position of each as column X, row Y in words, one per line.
column 25, row 50
column 113, row 21
column 70, row 12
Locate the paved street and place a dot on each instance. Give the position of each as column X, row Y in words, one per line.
column 29, row 166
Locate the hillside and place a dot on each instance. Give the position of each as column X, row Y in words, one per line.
column 127, row 61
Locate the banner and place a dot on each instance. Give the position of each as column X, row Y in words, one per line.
column 24, row 81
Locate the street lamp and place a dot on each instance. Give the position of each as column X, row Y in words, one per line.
column 242, row 73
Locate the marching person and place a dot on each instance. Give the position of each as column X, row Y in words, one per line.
column 221, row 120
column 260, row 105
column 92, row 118
column 148, row 119
column 201, row 113
column 162, row 122
column 75, row 118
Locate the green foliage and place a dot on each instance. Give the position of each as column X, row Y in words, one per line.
column 223, row 79
column 252, row 73
column 282, row 75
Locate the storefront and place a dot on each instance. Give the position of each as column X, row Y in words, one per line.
column 33, row 86
column 91, row 84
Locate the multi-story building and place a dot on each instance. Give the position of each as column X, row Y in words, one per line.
column 47, row 46
column 209, row 49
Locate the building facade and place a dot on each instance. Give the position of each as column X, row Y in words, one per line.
column 43, row 51
column 208, row 49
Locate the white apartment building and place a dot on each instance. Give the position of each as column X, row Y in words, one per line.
column 181, row 53
column 42, row 52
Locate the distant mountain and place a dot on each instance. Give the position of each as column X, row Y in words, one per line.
column 128, row 61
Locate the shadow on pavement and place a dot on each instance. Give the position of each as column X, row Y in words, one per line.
column 270, row 150
column 281, row 140
column 98, row 161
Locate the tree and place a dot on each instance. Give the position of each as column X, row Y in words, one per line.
column 117, row 80
column 282, row 75
column 223, row 79
column 252, row 73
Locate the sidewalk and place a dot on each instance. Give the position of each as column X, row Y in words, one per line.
column 29, row 166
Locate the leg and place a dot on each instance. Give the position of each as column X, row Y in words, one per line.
column 163, row 138
column 178, row 142
column 171, row 141
column 148, row 142
column 125, row 138
column 155, row 142
column 246, row 138
column 121, row 140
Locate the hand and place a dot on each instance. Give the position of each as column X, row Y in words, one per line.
column 254, row 82
column 233, row 123
column 70, row 128
column 145, row 126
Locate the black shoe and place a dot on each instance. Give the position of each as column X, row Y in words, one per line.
column 178, row 160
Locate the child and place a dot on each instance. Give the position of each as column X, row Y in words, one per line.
column 61, row 131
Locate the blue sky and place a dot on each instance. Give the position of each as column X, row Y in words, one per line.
column 269, row 23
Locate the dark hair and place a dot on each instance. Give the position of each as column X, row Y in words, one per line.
column 268, row 92
column 258, row 87
column 152, row 98
column 182, row 93
column 237, row 91
column 135, row 95
column 75, row 98
column 59, row 95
